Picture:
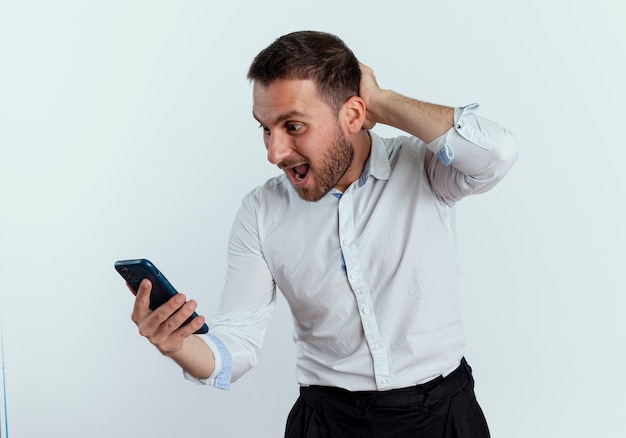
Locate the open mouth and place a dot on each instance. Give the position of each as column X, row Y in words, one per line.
column 299, row 173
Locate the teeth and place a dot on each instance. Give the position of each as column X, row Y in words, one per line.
column 300, row 172
column 296, row 175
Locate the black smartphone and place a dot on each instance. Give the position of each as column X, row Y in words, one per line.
column 134, row 271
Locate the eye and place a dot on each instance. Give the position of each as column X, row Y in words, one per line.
column 265, row 129
column 294, row 127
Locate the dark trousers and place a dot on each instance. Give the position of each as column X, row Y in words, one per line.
column 442, row 408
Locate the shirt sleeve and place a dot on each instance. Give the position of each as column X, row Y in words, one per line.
column 238, row 330
column 470, row 158
column 222, row 373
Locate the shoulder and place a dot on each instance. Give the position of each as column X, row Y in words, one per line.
column 258, row 205
column 395, row 144
column 272, row 196
column 274, row 188
column 405, row 146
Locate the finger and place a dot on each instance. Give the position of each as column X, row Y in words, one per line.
column 183, row 315
column 168, row 334
column 178, row 337
column 367, row 73
column 175, row 341
column 166, row 310
column 141, row 308
column 196, row 324
column 143, row 293
column 176, row 319
column 188, row 330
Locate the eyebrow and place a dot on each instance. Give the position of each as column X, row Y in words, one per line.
column 283, row 117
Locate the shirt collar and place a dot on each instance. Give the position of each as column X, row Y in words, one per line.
column 378, row 162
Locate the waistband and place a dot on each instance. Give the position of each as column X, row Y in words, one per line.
column 426, row 394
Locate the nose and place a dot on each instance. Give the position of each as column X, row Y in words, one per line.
column 278, row 148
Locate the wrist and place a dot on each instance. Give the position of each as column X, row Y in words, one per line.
column 380, row 106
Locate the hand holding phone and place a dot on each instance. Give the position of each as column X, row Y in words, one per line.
column 134, row 271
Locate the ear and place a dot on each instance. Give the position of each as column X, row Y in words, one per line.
column 354, row 111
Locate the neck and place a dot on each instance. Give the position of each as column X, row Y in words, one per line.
column 362, row 144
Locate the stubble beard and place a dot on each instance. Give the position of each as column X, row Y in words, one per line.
column 334, row 165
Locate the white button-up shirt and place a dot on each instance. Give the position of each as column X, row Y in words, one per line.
column 370, row 274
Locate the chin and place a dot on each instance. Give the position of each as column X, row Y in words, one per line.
column 310, row 195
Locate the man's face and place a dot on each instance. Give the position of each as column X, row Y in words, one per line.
column 303, row 137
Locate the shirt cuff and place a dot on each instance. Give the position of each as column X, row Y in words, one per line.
column 441, row 146
column 221, row 376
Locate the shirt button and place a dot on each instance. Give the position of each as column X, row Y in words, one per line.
column 383, row 381
column 366, row 310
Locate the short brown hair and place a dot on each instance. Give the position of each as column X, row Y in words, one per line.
column 318, row 56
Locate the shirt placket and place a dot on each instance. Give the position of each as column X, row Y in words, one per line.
column 375, row 341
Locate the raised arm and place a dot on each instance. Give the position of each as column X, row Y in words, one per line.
column 472, row 153
column 425, row 121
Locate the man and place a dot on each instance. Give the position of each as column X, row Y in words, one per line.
column 359, row 236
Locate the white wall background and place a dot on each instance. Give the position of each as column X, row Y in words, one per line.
column 125, row 131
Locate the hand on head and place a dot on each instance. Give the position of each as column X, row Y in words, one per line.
column 369, row 92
